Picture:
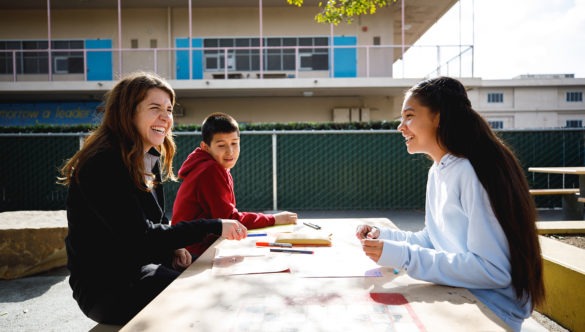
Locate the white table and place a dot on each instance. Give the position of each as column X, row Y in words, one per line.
column 201, row 301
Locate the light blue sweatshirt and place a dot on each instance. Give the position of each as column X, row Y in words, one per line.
column 462, row 244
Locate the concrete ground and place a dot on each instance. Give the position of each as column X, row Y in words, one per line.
column 44, row 303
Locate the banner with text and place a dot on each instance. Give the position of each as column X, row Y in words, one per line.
column 49, row 113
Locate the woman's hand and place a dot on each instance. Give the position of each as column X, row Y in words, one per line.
column 182, row 259
column 367, row 232
column 233, row 229
column 283, row 218
column 373, row 248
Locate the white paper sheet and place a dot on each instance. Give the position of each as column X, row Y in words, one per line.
column 247, row 261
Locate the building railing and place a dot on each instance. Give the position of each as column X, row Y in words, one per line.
column 371, row 61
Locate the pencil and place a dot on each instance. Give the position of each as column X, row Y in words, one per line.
column 256, row 234
column 312, row 225
column 291, row 251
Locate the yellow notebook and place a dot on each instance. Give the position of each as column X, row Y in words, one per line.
column 313, row 238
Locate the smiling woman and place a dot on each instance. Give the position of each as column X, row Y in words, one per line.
column 154, row 117
column 116, row 197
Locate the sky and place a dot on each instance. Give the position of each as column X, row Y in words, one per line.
column 513, row 37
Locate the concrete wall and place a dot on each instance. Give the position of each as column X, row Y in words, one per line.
column 281, row 109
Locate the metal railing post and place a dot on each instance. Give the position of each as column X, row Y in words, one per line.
column 274, row 174
column 14, row 66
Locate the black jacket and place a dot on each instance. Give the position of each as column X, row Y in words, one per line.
column 116, row 228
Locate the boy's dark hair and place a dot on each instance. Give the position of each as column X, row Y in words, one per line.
column 218, row 123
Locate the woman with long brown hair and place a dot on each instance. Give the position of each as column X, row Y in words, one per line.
column 480, row 230
column 121, row 251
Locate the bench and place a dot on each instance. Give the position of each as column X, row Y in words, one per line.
column 105, row 328
column 563, row 191
column 572, row 207
column 561, row 227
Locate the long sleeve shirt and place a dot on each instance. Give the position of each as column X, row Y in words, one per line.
column 462, row 244
column 207, row 191
column 116, row 228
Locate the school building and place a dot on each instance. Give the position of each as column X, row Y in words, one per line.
column 258, row 60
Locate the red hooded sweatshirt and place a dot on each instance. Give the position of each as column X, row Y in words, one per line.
column 207, row 191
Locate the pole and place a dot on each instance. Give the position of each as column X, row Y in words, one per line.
column 261, row 41
column 190, row 42
column 274, row 176
column 49, row 37
column 119, row 38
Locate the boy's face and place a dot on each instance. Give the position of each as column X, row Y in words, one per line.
column 224, row 148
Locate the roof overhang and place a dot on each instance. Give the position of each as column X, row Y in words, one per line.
column 325, row 87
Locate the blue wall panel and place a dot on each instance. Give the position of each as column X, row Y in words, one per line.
column 182, row 59
column 345, row 59
column 99, row 63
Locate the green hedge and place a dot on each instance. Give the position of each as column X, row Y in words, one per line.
column 376, row 125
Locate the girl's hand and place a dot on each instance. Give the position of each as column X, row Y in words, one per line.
column 373, row 248
column 367, row 232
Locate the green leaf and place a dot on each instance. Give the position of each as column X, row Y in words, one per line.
column 337, row 11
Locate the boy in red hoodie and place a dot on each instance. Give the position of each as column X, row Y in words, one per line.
column 207, row 190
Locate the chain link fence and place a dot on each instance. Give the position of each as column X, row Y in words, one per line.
column 293, row 170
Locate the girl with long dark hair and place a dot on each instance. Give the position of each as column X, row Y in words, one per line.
column 480, row 230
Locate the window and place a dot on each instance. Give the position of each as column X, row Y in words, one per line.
column 70, row 62
column 495, row 97
column 574, row 96
column 32, row 57
column 7, row 55
column 32, row 62
column 574, row 123
column 61, row 65
column 243, row 54
column 496, row 124
column 221, row 50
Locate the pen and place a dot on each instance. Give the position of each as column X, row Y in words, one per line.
column 256, row 234
column 274, row 244
column 291, row 250
column 312, row 225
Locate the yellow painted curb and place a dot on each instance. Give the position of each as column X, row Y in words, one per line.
column 561, row 227
column 564, row 282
